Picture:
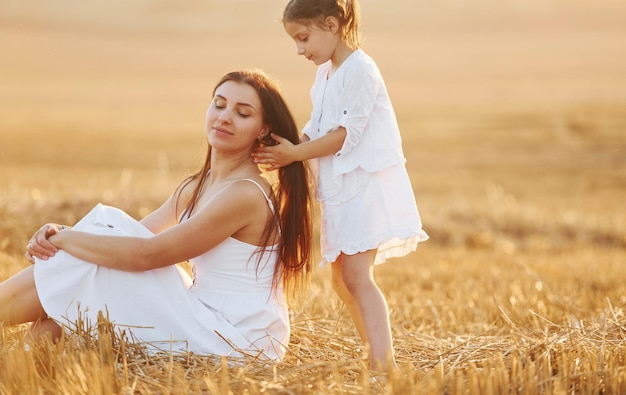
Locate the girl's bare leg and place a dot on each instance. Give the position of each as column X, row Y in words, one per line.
column 19, row 303
column 348, row 300
column 357, row 272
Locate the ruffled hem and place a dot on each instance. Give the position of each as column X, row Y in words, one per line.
column 389, row 246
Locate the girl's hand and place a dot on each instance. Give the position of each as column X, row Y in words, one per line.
column 39, row 246
column 276, row 156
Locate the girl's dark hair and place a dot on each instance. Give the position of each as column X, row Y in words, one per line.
column 292, row 216
column 316, row 11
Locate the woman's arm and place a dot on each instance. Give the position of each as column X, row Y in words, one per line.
column 162, row 218
column 169, row 213
column 225, row 214
column 39, row 247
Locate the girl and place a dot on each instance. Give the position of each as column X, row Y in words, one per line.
column 248, row 244
column 368, row 207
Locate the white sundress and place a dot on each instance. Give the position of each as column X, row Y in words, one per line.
column 381, row 215
column 228, row 307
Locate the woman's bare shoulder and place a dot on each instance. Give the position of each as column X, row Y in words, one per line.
column 250, row 186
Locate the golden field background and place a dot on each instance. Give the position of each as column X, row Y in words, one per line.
column 513, row 116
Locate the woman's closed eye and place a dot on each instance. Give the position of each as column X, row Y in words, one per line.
column 221, row 105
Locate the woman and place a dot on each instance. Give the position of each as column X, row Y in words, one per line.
column 249, row 247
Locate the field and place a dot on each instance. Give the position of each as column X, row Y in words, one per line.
column 513, row 117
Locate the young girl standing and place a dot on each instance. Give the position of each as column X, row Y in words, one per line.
column 367, row 203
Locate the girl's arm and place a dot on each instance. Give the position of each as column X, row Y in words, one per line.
column 285, row 153
column 225, row 214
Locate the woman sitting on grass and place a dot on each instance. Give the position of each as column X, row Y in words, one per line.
column 248, row 244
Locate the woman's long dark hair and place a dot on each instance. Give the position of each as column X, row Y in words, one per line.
column 291, row 193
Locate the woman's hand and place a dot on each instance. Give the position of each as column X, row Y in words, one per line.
column 39, row 246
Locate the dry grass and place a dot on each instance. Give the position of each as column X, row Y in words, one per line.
column 514, row 123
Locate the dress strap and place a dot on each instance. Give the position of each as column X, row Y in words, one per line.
column 269, row 201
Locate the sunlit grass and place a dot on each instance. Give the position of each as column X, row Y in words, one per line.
column 519, row 290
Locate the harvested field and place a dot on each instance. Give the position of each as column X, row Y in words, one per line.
column 514, row 124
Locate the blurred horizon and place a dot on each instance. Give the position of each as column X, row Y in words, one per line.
column 450, row 53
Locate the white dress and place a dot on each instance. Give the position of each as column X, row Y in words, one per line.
column 366, row 197
column 227, row 308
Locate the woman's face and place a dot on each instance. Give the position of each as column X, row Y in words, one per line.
column 234, row 119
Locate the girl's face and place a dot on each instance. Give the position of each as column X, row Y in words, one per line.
column 234, row 119
column 314, row 42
